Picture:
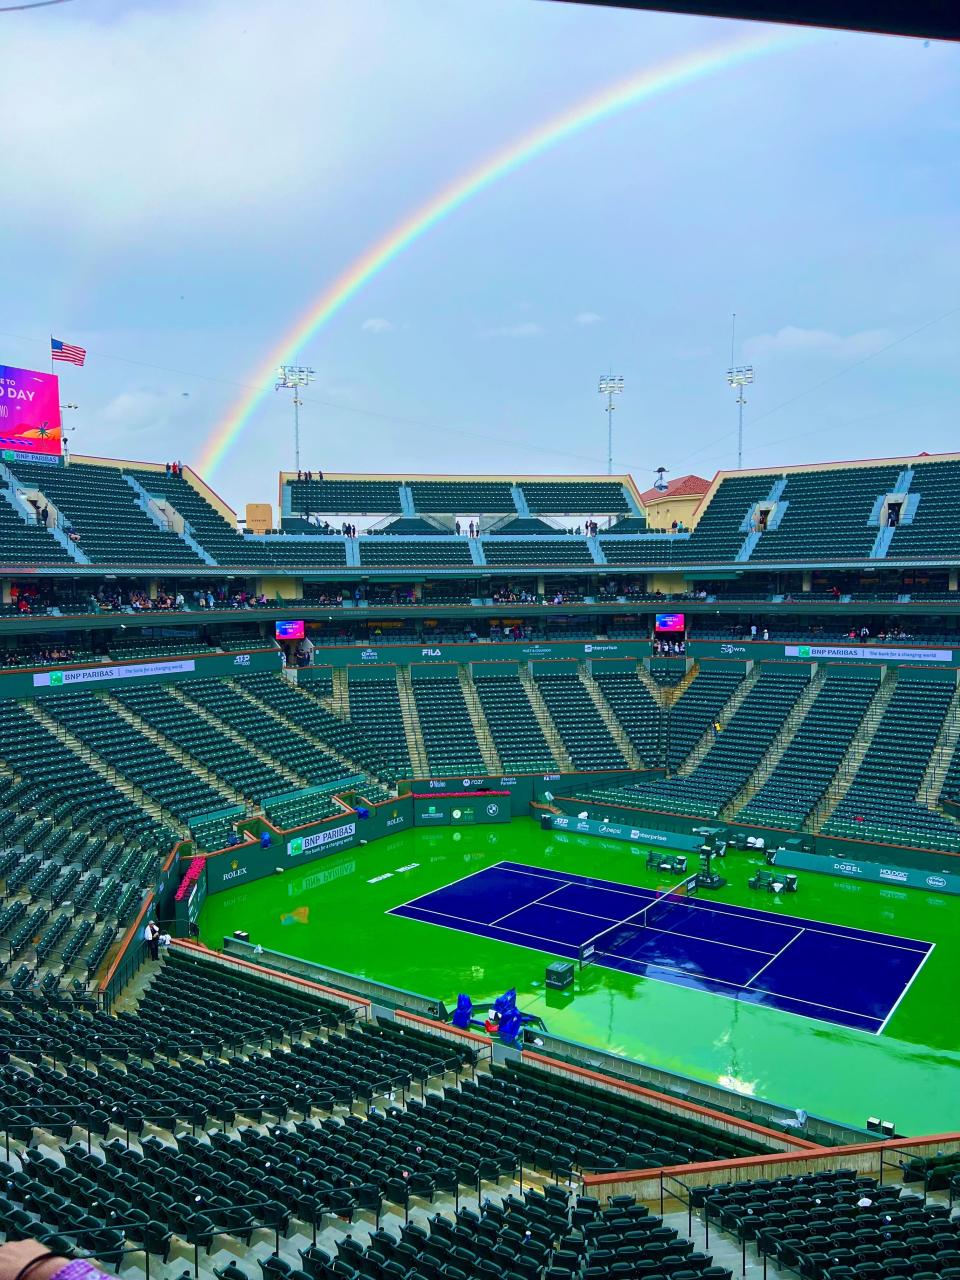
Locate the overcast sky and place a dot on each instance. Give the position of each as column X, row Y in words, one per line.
column 180, row 180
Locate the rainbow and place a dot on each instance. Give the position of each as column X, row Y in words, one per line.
column 674, row 73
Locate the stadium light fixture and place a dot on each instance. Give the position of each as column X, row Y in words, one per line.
column 610, row 386
column 293, row 377
column 740, row 376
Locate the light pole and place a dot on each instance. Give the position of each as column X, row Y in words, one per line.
column 740, row 376
column 291, row 377
column 64, row 432
column 610, row 387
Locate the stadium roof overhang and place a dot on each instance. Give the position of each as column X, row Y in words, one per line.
column 925, row 19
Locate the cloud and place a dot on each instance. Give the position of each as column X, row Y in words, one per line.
column 142, row 410
column 587, row 318
column 377, row 324
column 527, row 329
column 793, row 340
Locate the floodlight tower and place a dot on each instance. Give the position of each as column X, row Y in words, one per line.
column 738, row 376
column 291, row 377
column 610, row 386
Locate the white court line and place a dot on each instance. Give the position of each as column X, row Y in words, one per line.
column 798, row 934
column 535, row 903
column 431, row 892
column 734, row 994
column 738, row 986
column 479, row 924
column 896, row 1003
column 750, row 914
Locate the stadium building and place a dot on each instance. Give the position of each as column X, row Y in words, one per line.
column 679, row 766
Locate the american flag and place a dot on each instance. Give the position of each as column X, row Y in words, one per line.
column 64, row 351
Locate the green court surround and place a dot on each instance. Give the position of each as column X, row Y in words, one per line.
column 334, row 911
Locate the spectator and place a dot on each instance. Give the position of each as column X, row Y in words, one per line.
column 457, row 527
column 30, row 1260
column 152, row 934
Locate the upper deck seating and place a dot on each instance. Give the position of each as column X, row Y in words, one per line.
column 520, row 553
column 103, row 510
column 345, row 497
column 827, row 516
column 463, row 497
column 22, row 543
column 575, row 497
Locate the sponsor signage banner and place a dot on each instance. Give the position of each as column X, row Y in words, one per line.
column 404, row 654
column 862, row 653
column 24, row 684
column 130, row 671
column 328, row 840
column 623, row 831
column 29, row 413
column 460, row 811
column 877, row 872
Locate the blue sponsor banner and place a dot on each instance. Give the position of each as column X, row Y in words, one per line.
column 623, row 831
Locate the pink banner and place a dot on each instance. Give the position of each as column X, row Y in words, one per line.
column 29, row 412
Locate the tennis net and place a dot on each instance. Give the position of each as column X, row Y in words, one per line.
column 664, row 912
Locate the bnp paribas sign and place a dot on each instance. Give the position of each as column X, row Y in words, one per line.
column 860, row 652
column 96, row 675
column 332, row 838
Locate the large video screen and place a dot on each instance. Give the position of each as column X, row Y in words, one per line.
column 671, row 622
column 29, row 411
column 290, row 630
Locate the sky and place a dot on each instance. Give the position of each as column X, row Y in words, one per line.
column 182, row 178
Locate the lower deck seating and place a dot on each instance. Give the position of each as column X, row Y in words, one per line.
column 200, row 1057
column 635, row 709
column 881, row 803
column 376, row 712
column 806, row 768
column 516, row 734
column 838, row 1225
column 586, row 737
column 448, row 733
column 698, row 706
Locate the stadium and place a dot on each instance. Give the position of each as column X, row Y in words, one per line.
column 554, row 877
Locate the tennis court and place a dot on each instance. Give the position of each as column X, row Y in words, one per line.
column 849, row 977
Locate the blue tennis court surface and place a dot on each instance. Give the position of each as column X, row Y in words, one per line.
column 846, row 976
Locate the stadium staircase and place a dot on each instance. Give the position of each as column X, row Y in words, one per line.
column 546, row 722
column 847, row 769
column 774, row 753
column 724, row 715
column 186, row 761
column 617, row 731
column 942, row 758
column 478, row 719
column 672, row 693
column 339, row 701
column 658, row 692
column 411, row 724
column 33, row 707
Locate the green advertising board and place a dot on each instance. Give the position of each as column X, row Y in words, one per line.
column 879, row 872
column 460, row 811
column 19, row 684
column 381, row 651
column 759, row 650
